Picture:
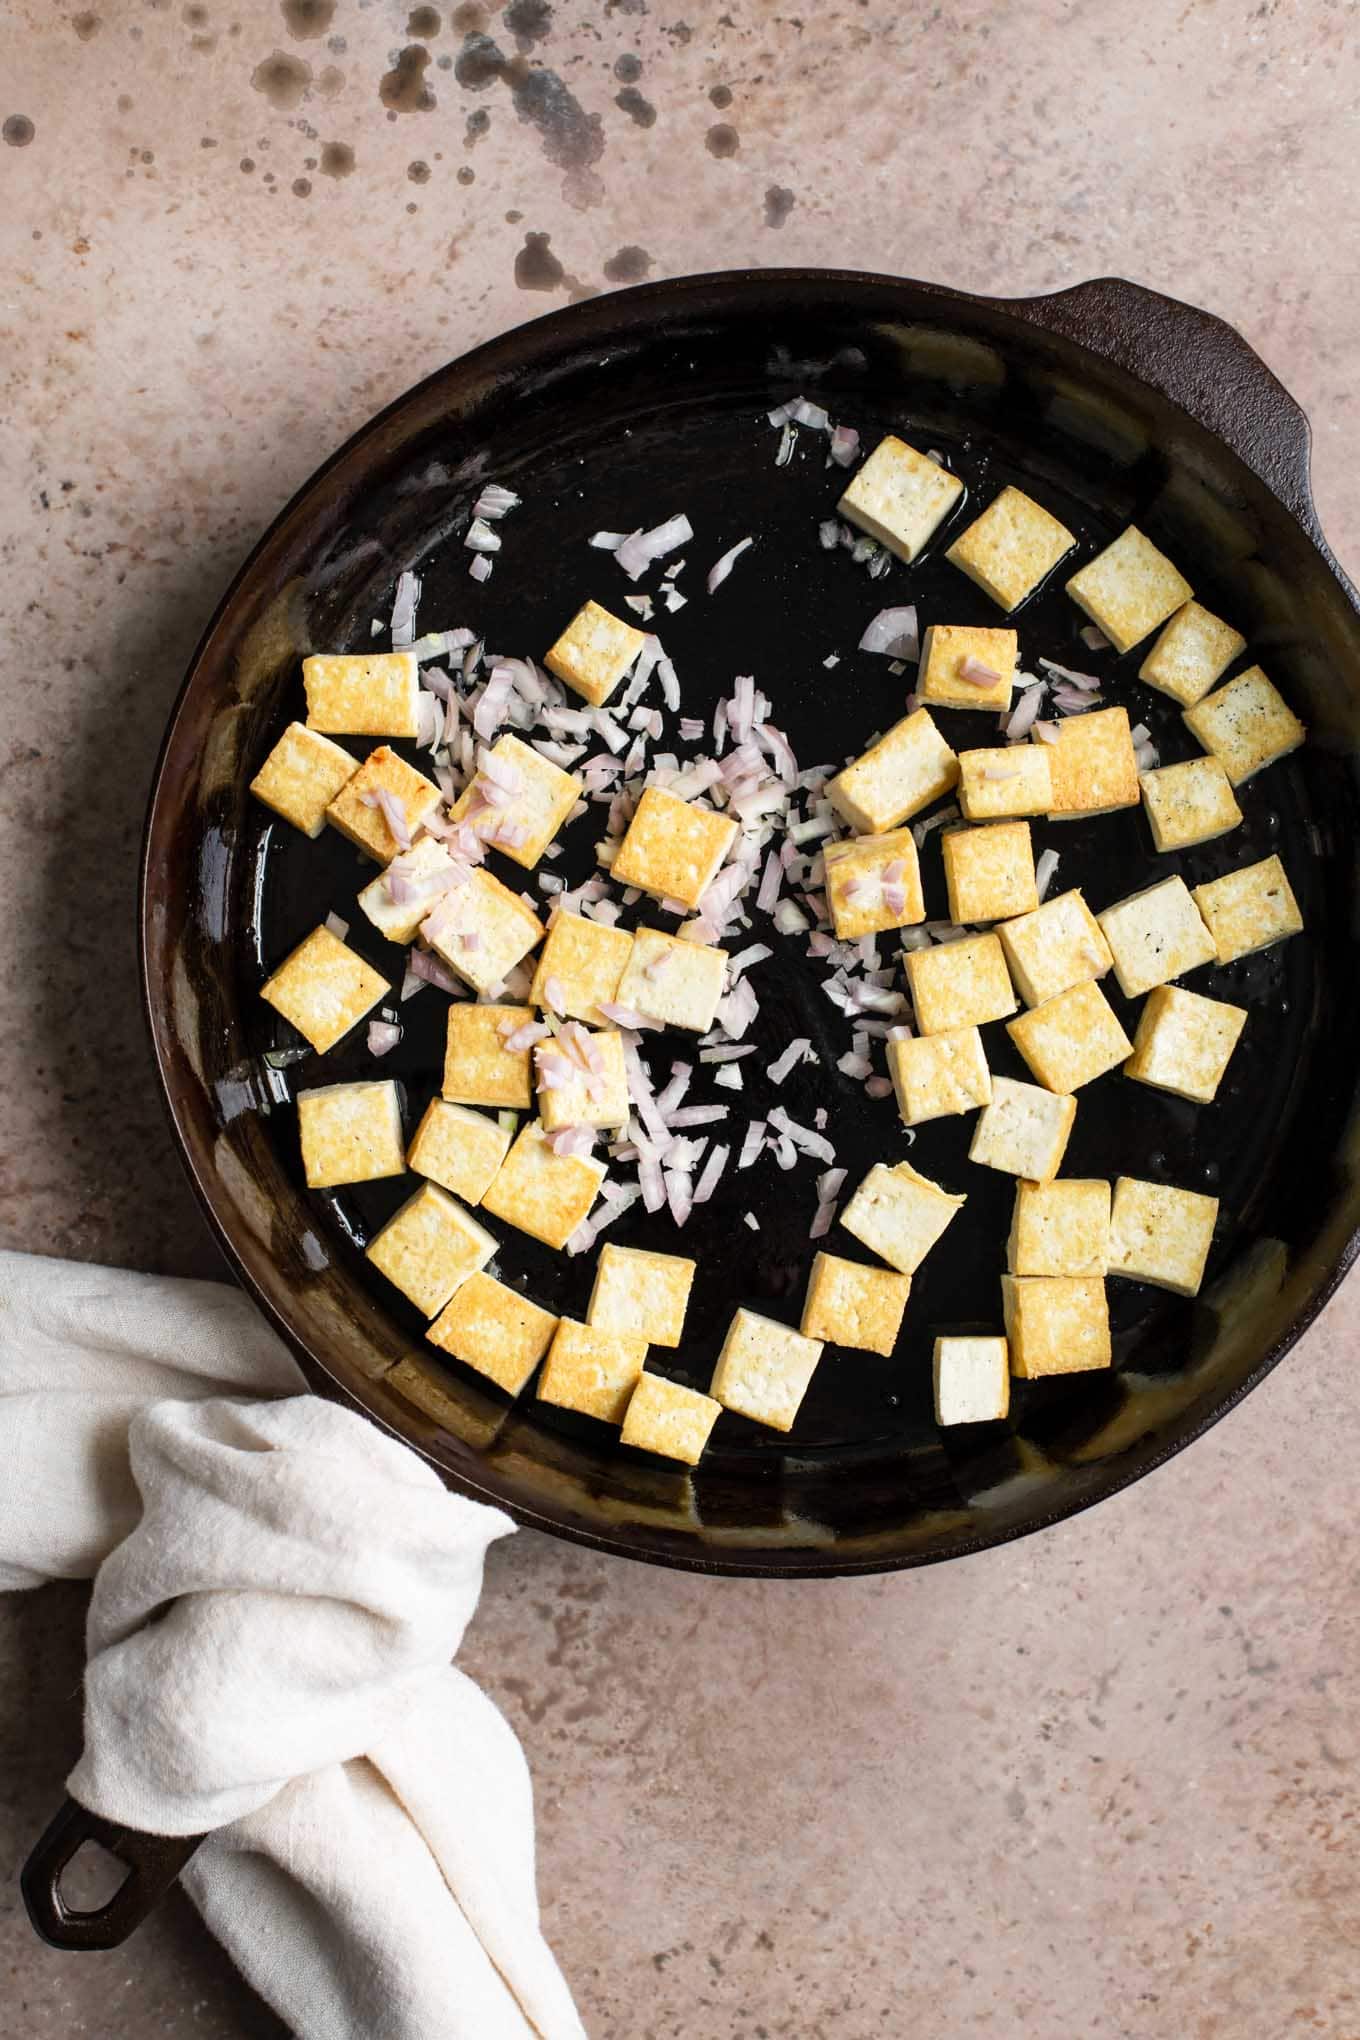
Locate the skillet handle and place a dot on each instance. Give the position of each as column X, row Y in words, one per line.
column 1199, row 362
column 153, row 1863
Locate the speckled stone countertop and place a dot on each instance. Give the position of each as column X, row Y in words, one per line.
column 1102, row 1783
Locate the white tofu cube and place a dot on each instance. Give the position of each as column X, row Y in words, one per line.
column 959, row 984
column 989, row 872
column 764, row 1369
column 1194, row 650
column 1092, row 765
column 956, row 660
column 541, row 1193
column 1072, row 1039
column 1190, row 803
column 937, row 1075
column 667, row 1418
column 1248, row 909
column 848, row 1304
column 1055, row 947
column 428, row 1247
column 1129, row 589
column 594, row 652
column 1015, row 780
column 1155, row 935
column 458, row 1149
column 354, row 811
column 873, row 883
column 1056, row 1325
column 418, row 876
column 895, row 778
column 495, row 1330
column 323, row 989
column 1024, row 1130
column 641, row 1292
column 481, row 930
column 581, row 967
column 1184, row 1042
column 972, row 1381
column 899, row 1215
column 1247, row 724
column 1011, row 548
column 366, row 694
column 591, row 1370
column 581, row 1079
column 478, row 1068
column 519, row 803
column 900, row 497
column 678, row 983
column 1161, row 1235
column 301, row 777
column 350, row 1133
column 672, row 848
column 1061, row 1227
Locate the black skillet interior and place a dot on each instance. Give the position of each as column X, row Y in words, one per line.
column 672, row 417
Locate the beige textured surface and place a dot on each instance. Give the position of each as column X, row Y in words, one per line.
column 1102, row 1783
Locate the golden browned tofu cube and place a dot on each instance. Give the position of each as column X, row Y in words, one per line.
column 873, row 883
column 581, row 1079
column 849, row 1304
column 1015, row 780
column 458, row 1149
column 672, row 848
column 301, row 777
column 428, row 1247
column 591, row 1370
column 641, row 1292
column 972, row 1380
column 1056, row 1324
column 544, row 1194
column 764, row 1369
column 580, row 967
column 594, row 652
column 364, row 694
column 1061, row 1227
column 667, row 1418
column 1024, row 1131
column 959, row 984
column 494, row 1330
column 1248, row 909
column 989, row 872
column 895, row 778
column 324, row 989
column 1194, row 650
column 402, row 894
column 678, row 983
column 1071, row 1040
column 1155, row 935
column 1247, row 724
column 1129, row 589
column 1058, row 945
column 936, row 1075
column 966, row 667
column 356, row 814
column 518, row 802
column 1092, row 765
column 481, row 930
column 478, row 1067
column 900, row 497
column 1184, row 1042
column 350, row 1133
column 1011, row 548
column 1190, row 803
column 899, row 1215
column 1161, row 1235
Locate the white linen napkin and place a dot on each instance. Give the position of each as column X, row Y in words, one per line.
column 370, row 1865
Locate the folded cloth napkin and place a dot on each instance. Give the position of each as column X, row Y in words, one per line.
column 279, row 1590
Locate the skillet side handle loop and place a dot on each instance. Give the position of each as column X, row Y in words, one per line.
column 1199, row 362
column 153, row 1862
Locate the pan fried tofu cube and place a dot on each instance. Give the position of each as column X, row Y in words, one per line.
column 895, row 778
column 1184, row 1042
column 495, row 1330
column 1060, row 1228
column 989, row 872
column 1247, row 724
column 1016, row 780
column 543, row 1194
column 364, row 694
column 583, row 962
column 591, row 1370
column 529, row 801
column 1056, row 1324
column 1023, row 1131
column 481, row 930
column 667, row 1418
column 478, row 1068
column 950, row 651
column 873, row 883
column 324, row 989
column 899, row 1215
column 399, row 920
column 569, row 1095
column 1129, row 589
column 1055, row 947
column 764, row 1369
column 1194, row 650
column 594, row 652
column 301, row 777
column 1010, row 549
column 1161, row 1235
column 1249, row 909
column 1092, row 765
column 350, row 1133
column 428, row 1247
column 972, row 1381
column 678, row 983
column 354, row 811
column 1155, row 935
column 848, row 1304
column 1190, row 803
column 458, row 1149
column 959, row 984
column 1071, row 1040
column 936, row 1075
column 673, row 848
column 638, row 1291
column 900, row 497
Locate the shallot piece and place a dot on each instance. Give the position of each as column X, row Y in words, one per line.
column 338, row 928
column 822, row 1220
column 792, row 1055
column 977, row 673
column 404, row 610
column 1094, row 638
column 432, row 972
column 844, row 444
column 607, row 541
column 712, row 1170
column 515, row 1039
column 393, row 811
column 721, row 568
column 480, row 569
column 481, row 538
column 640, row 548
column 494, row 501
column 1044, row 869
column 894, row 633
column 1026, row 710
column 1047, row 732
column 1085, row 683
column 383, row 1036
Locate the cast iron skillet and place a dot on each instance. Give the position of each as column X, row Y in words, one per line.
column 1108, row 402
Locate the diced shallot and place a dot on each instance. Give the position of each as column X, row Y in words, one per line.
column 1026, row 709
column 1085, row 683
column 977, row 673
column 712, row 1170
column 894, row 632
column 721, row 568
column 844, row 444
column 383, row 1036
column 636, row 553
column 792, row 1055
column 1045, row 866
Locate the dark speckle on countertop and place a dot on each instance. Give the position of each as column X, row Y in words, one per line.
column 628, row 265
column 307, row 18
column 529, row 22
column 18, row 131
column 424, row 22
column 721, row 95
column 283, row 79
column 722, row 140
column 403, row 89
column 536, row 267
column 779, row 203
column 635, row 106
column 628, row 69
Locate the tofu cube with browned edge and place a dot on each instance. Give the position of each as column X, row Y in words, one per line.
column 363, row 694
column 594, row 652
column 481, row 930
column 643, row 1292
column 1024, row 1131
column 972, row 1380
column 1056, row 1324
column 964, row 983
column 580, row 967
column 1155, row 935
column 899, row 1215
column 1248, row 909
column 672, row 848
column 938, row 1075
column 900, row 497
column 849, row 1304
column 478, row 1067
column 671, row 981
column 1072, row 1039
column 402, row 894
column 1015, row 780
column 301, row 777
column 669, row 1419
column 428, row 1247
column 356, row 812
column 989, row 872
column 1011, row 548
column 494, row 1330
column 966, row 667
column 459, row 1149
column 591, row 1370
column 544, row 1194
column 873, row 883
column 764, row 1369
column 1190, row 803
column 1055, row 947
column 581, row 1079
column 324, row 988
column 1161, row 1235
column 350, row 1133
column 1061, row 1227
column 1129, row 589
column 1194, row 650
column 1092, row 765
column 1184, row 1042
column 1248, row 724
column 903, row 772
column 517, row 801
